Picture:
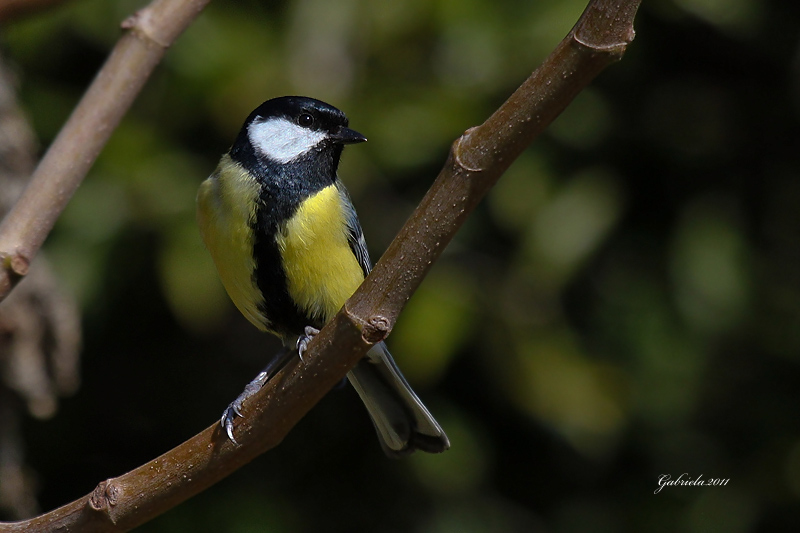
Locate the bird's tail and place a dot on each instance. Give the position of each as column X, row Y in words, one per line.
column 401, row 420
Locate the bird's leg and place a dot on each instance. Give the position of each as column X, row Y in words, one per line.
column 304, row 339
column 235, row 408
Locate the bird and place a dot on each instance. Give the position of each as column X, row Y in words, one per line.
column 289, row 249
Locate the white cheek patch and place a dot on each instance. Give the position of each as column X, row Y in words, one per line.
column 281, row 140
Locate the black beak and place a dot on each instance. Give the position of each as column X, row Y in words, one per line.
column 347, row 136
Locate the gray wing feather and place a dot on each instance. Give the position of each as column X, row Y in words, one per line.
column 355, row 236
column 400, row 418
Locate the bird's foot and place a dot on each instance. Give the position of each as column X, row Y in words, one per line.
column 304, row 339
column 235, row 408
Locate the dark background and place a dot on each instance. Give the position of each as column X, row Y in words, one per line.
column 625, row 303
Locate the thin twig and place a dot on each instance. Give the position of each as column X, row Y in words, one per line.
column 476, row 161
column 150, row 32
column 13, row 9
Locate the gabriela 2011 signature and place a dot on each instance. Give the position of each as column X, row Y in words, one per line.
column 666, row 480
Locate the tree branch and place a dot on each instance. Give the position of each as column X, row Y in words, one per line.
column 476, row 161
column 480, row 156
column 150, row 32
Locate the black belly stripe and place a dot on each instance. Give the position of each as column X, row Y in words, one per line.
column 286, row 319
column 283, row 188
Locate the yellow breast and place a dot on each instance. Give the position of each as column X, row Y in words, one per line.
column 226, row 205
column 321, row 270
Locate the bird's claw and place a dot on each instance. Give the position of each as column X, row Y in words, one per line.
column 235, row 408
column 304, row 339
column 227, row 419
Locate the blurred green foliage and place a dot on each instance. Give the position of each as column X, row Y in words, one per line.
column 625, row 304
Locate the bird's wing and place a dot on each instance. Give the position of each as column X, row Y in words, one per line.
column 355, row 237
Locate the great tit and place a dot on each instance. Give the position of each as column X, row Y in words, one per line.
column 289, row 249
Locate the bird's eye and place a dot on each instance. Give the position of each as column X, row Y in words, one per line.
column 305, row 120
